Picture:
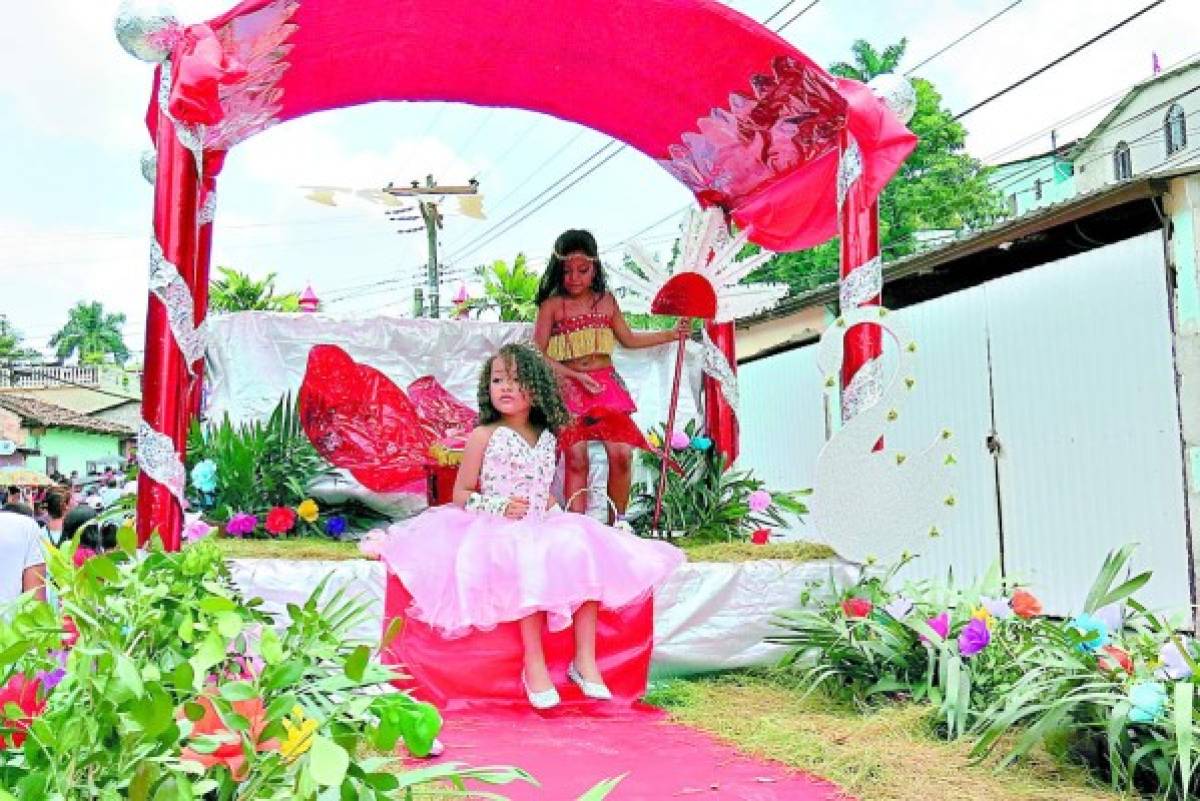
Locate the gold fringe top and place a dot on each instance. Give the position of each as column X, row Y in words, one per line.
column 580, row 336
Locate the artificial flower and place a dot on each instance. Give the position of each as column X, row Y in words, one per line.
column 701, row 443
column 899, row 607
column 229, row 753
column 1112, row 658
column 856, row 607
column 654, row 439
column 241, row 524
column 680, row 440
column 82, row 554
column 996, row 607
column 308, row 510
column 195, row 529
column 1091, row 628
column 70, row 631
column 940, row 624
column 759, row 500
column 24, row 694
column 51, row 678
column 335, row 526
column 761, row 537
column 981, row 613
column 280, row 520
column 974, row 637
column 1147, row 699
column 1113, row 616
column 204, row 476
column 1174, row 665
column 1025, row 605
column 300, row 731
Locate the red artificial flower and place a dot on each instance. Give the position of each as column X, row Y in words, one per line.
column 1025, row 605
column 857, row 607
column 24, row 693
column 82, row 555
column 1111, row 658
column 229, row 753
column 761, row 537
column 280, row 520
column 70, row 633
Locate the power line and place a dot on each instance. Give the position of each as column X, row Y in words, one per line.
column 799, row 14
column 966, row 35
column 1059, row 60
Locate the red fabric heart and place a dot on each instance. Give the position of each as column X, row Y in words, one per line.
column 447, row 419
column 358, row 419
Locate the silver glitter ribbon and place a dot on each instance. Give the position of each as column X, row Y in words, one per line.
column 169, row 287
column 190, row 136
column 861, row 285
column 717, row 366
column 865, row 389
column 208, row 211
column 157, row 458
column 850, row 169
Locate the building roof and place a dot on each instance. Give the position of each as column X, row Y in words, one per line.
column 1036, row 220
column 1062, row 152
column 51, row 416
column 1125, row 102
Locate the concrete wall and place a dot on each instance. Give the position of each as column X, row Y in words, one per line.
column 74, row 449
column 1033, row 184
column 1183, row 208
column 1147, row 145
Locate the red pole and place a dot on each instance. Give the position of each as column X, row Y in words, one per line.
column 720, row 420
column 666, row 452
column 164, row 381
column 860, row 272
column 208, row 197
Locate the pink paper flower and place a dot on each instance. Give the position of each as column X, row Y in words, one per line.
column 940, row 624
column 241, row 524
column 195, row 529
column 680, row 440
column 760, row 501
column 974, row 637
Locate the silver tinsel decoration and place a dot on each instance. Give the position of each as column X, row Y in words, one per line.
column 149, row 165
column 146, row 29
column 897, row 92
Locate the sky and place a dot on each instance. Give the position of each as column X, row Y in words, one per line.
column 75, row 210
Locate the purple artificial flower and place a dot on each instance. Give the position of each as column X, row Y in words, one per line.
column 1113, row 616
column 899, row 607
column 940, row 624
column 996, row 607
column 195, row 529
column 241, row 524
column 974, row 637
column 51, row 678
column 335, row 526
column 760, row 501
column 1174, row 666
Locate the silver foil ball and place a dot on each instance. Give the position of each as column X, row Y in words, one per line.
column 144, row 28
column 150, row 165
column 897, row 93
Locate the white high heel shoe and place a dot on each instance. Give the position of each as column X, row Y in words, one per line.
column 591, row 689
column 543, row 699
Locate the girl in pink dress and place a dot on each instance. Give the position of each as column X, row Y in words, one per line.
column 578, row 325
column 504, row 552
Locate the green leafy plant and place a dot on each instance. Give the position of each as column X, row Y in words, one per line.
column 704, row 499
column 258, row 465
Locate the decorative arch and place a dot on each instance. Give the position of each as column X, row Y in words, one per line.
column 745, row 120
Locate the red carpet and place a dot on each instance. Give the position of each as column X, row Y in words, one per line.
column 568, row 752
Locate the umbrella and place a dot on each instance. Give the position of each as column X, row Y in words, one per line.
column 24, row 477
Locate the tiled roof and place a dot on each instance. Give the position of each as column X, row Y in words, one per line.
column 51, row 416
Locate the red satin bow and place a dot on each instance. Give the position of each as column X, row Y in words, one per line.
column 200, row 67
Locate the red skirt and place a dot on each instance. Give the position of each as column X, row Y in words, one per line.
column 601, row 416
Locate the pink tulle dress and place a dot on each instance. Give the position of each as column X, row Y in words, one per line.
column 474, row 570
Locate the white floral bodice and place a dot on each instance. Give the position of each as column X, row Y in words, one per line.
column 514, row 469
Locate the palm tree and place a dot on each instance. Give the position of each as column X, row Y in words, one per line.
column 511, row 290
column 868, row 62
column 11, row 348
column 237, row 291
column 92, row 334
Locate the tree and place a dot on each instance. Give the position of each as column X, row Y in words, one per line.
column 939, row 187
column 237, row 291
column 11, row 348
column 509, row 290
column 92, row 334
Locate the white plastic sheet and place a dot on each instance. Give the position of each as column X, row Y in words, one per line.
column 708, row 616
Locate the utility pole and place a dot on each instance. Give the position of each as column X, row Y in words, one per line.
column 427, row 198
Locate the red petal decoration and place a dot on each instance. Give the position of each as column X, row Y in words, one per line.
column 686, row 295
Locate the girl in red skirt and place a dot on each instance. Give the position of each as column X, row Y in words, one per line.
column 578, row 325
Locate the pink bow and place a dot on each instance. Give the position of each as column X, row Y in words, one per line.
column 200, row 68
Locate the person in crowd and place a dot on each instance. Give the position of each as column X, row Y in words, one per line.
column 22, row 562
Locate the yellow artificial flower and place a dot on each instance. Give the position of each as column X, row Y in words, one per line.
column 308, row 510
column 300, row 731
column 981, row 613
column 654, row 439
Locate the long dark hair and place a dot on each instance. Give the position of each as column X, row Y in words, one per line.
column 573, row 241
column 535, row 376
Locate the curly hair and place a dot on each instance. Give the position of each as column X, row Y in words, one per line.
column 547, row 409
column 568, row 242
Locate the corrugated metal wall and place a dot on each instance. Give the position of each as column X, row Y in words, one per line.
column 1075, row 357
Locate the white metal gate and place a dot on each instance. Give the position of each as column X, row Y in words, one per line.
column 1072, row 364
